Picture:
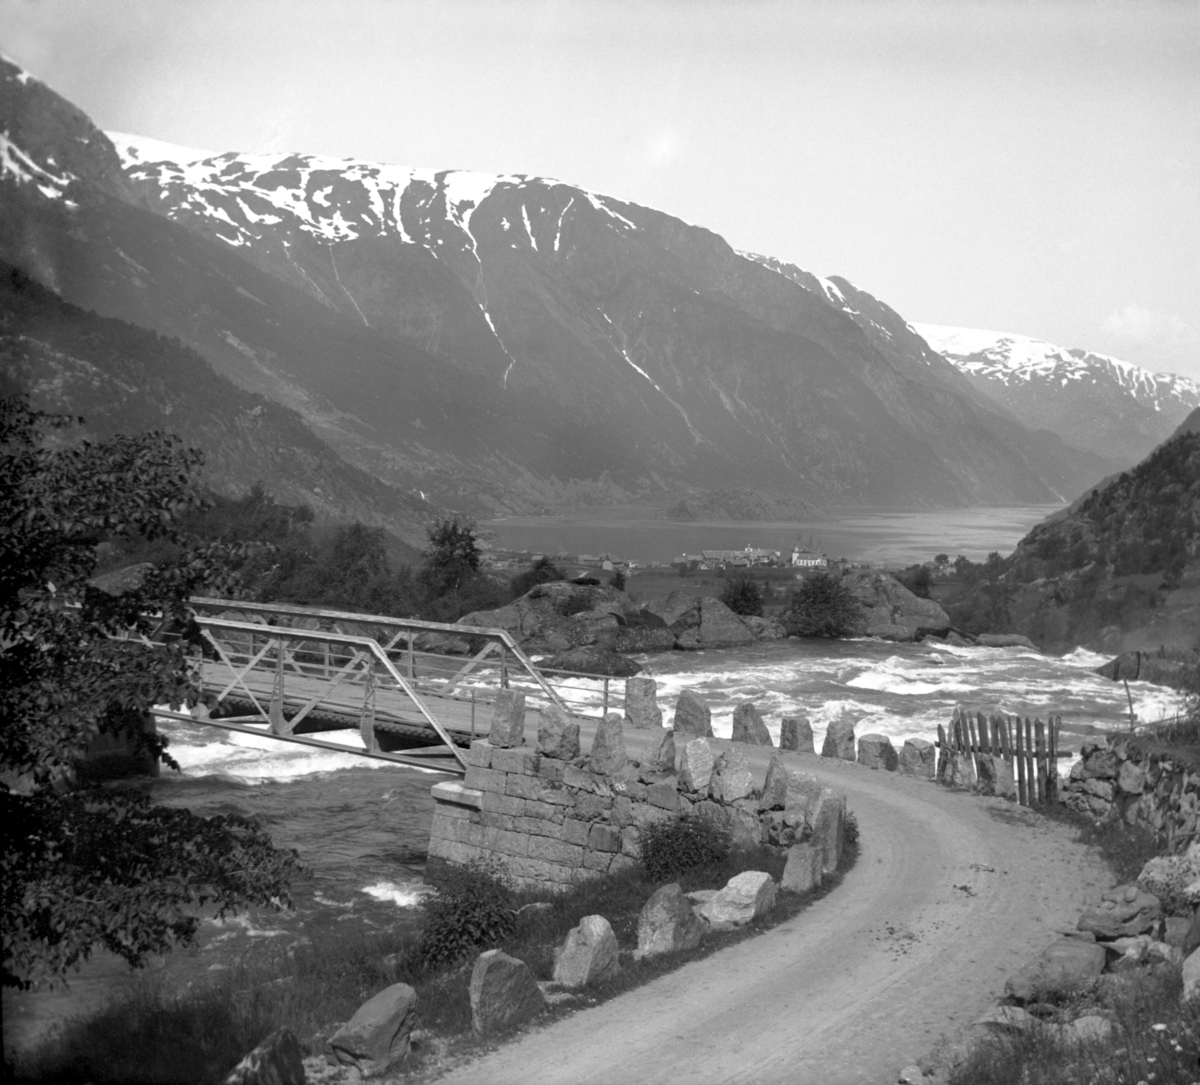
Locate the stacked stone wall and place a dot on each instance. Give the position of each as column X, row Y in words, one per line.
column 1118, row 778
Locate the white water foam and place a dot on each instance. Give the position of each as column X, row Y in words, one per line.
column 404, row 895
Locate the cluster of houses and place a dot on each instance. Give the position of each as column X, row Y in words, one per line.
column 750, row 557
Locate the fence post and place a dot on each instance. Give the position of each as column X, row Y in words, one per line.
column 604, row 710
column 1019, row 753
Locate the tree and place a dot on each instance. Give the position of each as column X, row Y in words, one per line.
column 81, row 867
column 452, row 556
column 742, row 595
column 542, row 571
column 822, row 606
column 618, row 580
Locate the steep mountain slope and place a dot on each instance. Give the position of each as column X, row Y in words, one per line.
column 497, row 342
column 124, row 379
column 1101, row 404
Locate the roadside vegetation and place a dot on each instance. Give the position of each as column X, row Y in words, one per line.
column 163, row 1034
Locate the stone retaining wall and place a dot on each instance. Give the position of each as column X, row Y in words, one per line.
column 1117, row 778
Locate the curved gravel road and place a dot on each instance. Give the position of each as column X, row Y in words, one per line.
column 950, row 895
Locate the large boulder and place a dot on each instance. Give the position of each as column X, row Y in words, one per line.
column 788, row 788
column 1004, row 640
column 884, row 601
column 558, row 615
column 693, row 717
column 278, row 1060
column 608, row 755
column 1165, row 667
column 839, row 739
column 593, row 659
column 503, row 992
column 719, row 627
column 877, row 752
column 376, row 1038
column 764, row 628
column 731, row 778
column 918, row 757
column 667, row 922
column 746, row 897
column 641, row 704
column 1123, row 911
column 1066, row 967
column 796, row 734
column 748, row 725
column 589, row 955
column 677, row 610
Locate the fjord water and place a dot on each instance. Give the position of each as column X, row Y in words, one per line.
column 361, row 827
column 880, row 536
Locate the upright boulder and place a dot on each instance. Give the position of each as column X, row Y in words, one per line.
column 508, row 719
column 996, row 776
column 641, row 703
column 558, row 734
column 748, row 725
column 827, row 817
column 278, row 1060
column 377, row 1037
column 589, row 955
column 503, row 993
column 663, row 759
column 877, row 752
column 918, row 757
column 696, row 765
column 839, row 740
column 693, row 717
column 667, row 923
column 804, row 870
column 608, row 747
column 731, row 779
column 796, row 734
column 787, row 788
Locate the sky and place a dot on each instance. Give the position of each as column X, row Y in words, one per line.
column 1027, row 166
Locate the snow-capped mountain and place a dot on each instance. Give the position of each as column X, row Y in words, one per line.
column 1094, row 401
column 498, row 341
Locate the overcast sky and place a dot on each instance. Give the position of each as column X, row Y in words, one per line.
column 1030, row 167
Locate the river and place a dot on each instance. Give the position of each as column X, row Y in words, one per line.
column 361, row 827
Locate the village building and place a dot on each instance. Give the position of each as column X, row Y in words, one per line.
column 808, row 559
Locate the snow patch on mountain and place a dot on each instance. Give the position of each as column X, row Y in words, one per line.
column 15, row 163
column 137, row 149
column 1020, row 359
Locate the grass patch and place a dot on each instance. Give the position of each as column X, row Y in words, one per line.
column 1124, row 848
column 160, row 1035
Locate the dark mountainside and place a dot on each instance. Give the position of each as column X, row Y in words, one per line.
column 124, row 379
column 1119, row 570
column 503, row 343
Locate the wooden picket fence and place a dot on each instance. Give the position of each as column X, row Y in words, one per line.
column 1029, row 746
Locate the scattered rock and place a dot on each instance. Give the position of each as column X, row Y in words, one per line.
column 745, row 897
column 748, row 725
column 796, row 733
column 508, row 719
column 804, row 870
column 589, row 955
column 1124, row 910
column 1007, row 1020
column 877, row 752
column 376, row 1038
column 731, row 778
column 558, row 734
column 503, row 992
column 693, row 717
column 911, row 1075
column 1091, row 1028
column 667, row 923
column 641, row 703
column 278, row 1060
column 696, row 765
column 608, row 747
column 839, row 740
column 956, row 769
column 1063, row 968
column 1004, row 640
column 593, row 659
column 918, row 757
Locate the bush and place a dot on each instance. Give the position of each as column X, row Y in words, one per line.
column 471, row 909
column 686, row 843
column 821, row 607
column 742, row 595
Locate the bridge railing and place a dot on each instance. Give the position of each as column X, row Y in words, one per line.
column 323, row 667
column 416, row 648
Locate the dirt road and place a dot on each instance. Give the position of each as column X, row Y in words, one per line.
column 951, row 894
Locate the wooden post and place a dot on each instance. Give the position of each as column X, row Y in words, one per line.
column 1052, row 727
column 1019, row 753
column 1040, row 738
column 972, row 744
column 985, row 742
column 604, row 710
column 943, row 750
column 1030, row 774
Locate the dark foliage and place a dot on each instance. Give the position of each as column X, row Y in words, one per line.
column 469, row 910
column 918, row 579
column 822, row 606
column 543, row 571
column 77, row 662
column 684, row 844
column 742, row 595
